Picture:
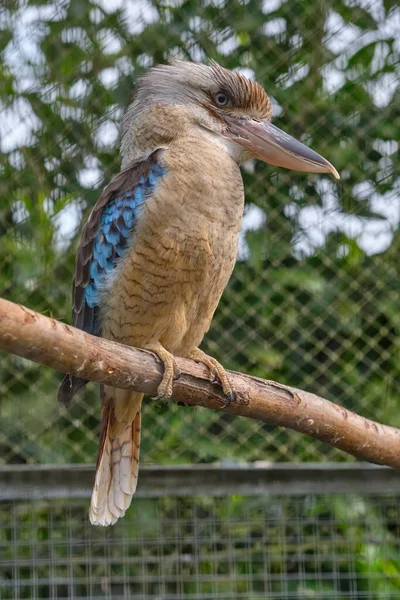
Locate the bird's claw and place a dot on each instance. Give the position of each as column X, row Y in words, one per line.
column 161, row 396
column 215, row 377
column 177, row 374
column 229, row 398
column 218, row 374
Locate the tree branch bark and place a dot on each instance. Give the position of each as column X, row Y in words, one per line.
column 69, row 350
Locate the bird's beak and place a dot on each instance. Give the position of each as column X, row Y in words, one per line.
column 269, row 143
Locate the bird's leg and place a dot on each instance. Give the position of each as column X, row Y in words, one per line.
column 171, row 371
column 217, row 370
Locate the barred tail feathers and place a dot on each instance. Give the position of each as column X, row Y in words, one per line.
column 118, row 460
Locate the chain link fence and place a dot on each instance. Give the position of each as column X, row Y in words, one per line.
column 313, row 301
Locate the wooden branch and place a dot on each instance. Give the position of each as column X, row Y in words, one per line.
column 64, row 348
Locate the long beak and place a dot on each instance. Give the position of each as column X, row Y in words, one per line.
column 272, row 145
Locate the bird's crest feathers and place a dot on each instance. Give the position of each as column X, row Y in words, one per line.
column 246, row 95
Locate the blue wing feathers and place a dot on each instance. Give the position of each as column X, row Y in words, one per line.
column 115, row 233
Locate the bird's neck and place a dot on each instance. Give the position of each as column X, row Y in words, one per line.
column 144, row 134
column 206, row 179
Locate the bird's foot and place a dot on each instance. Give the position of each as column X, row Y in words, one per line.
column 218, row 372
column 171, row 371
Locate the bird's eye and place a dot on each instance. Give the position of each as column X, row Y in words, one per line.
column 221, row 99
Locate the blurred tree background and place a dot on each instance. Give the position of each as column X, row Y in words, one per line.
column 313, row 301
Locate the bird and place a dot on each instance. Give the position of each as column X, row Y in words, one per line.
column 160, row 244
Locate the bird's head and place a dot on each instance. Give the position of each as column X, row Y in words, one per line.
column 222, row 105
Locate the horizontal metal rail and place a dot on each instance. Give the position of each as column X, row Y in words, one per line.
column 23, row 482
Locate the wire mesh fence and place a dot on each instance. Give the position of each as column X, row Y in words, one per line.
column 204, row 547
column 313, row 301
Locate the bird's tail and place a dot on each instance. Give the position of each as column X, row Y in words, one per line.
column 118, row 460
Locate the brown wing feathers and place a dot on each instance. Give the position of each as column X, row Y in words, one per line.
column 84, row 316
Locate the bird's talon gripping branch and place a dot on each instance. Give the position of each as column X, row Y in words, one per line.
column 219, row 374
column 171, row 371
